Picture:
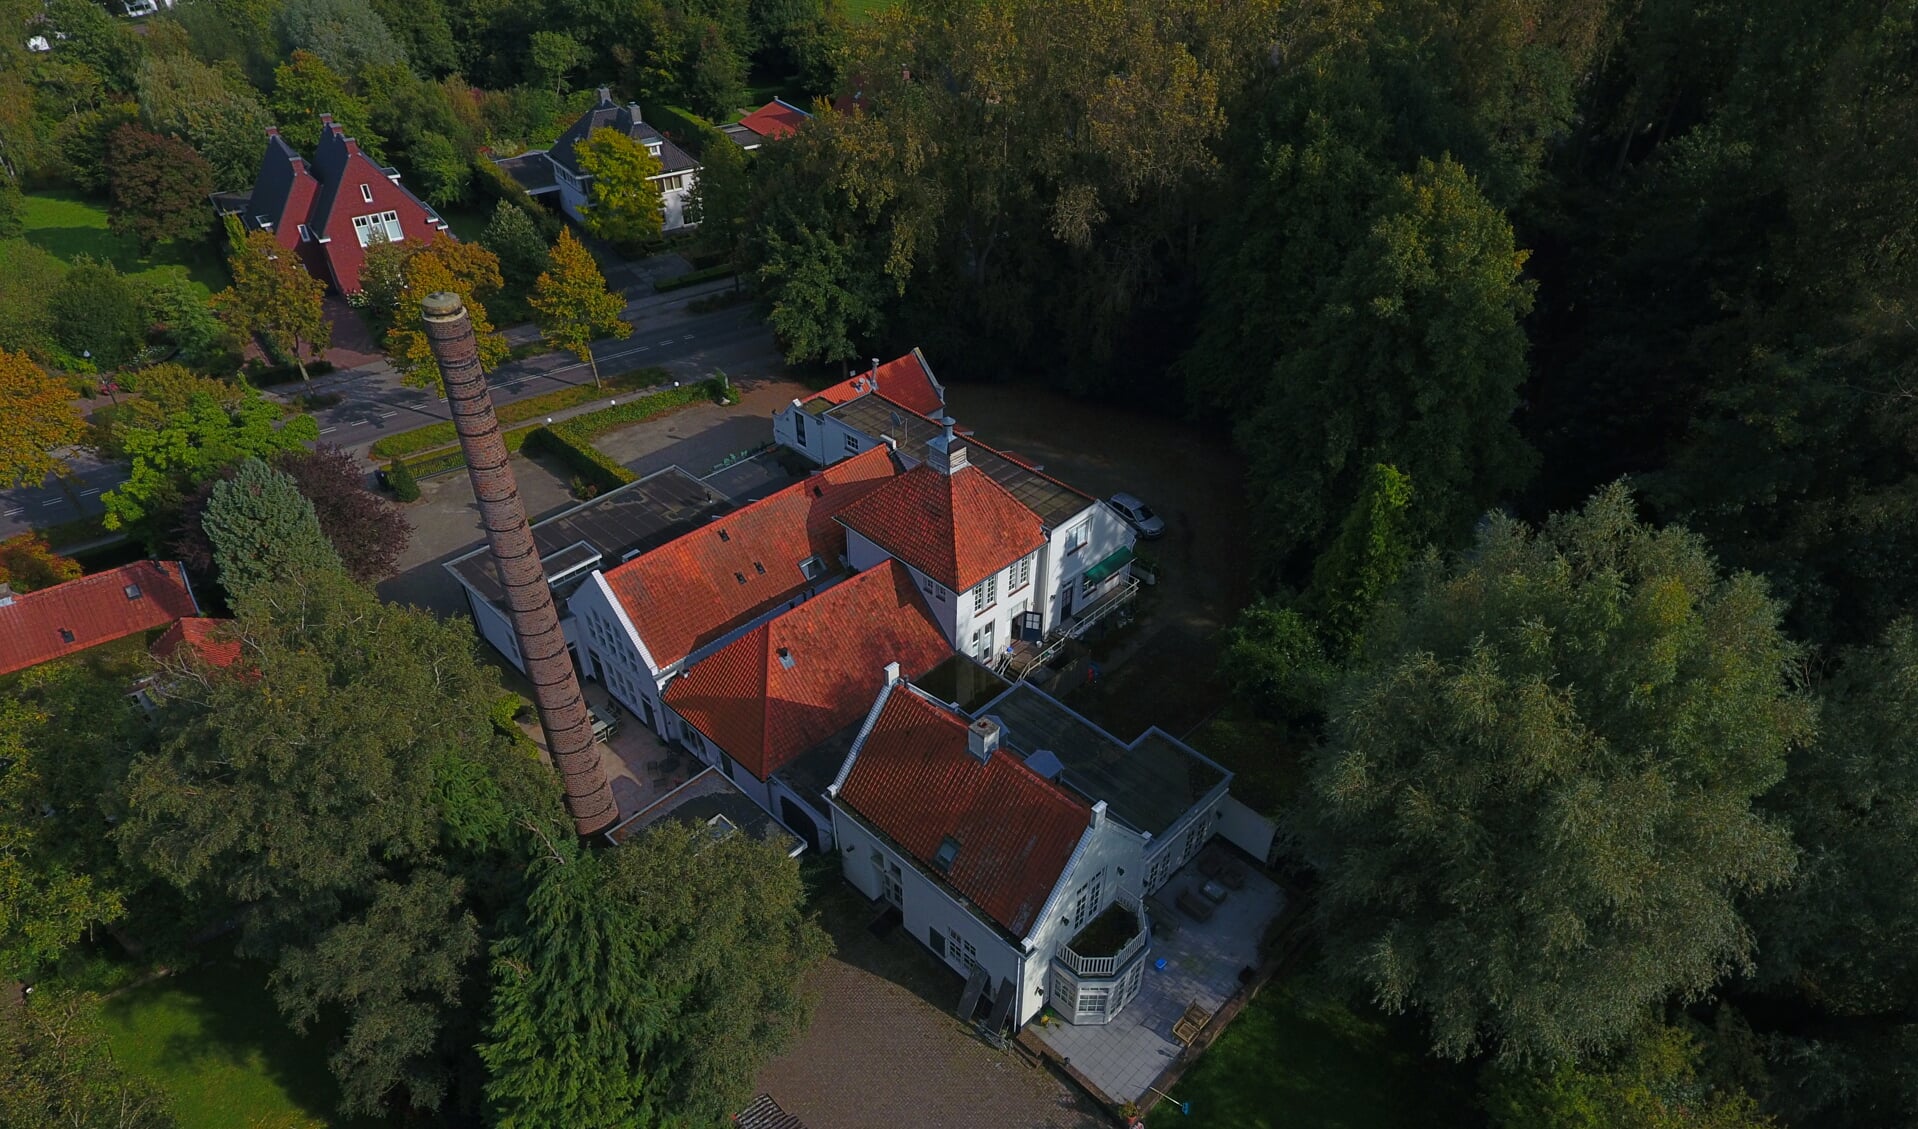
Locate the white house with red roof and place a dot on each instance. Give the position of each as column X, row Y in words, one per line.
column 1021, row 865
column 771, row 122
column 329, row 211
column 1081, row 569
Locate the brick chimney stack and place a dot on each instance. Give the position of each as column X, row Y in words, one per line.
column 529, row 601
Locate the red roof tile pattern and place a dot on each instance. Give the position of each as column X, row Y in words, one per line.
column 797, row 679
column 957, row 528
column 199, row 635
column 906, row 381
column 68, row 618
column 775, row 120
column 915, row 780
column 694, row 589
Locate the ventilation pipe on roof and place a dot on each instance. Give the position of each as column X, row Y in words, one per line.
column 892, row 674
column 1099, row 813
column 982, row 738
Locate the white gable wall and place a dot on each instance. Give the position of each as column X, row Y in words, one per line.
column 1099, row 533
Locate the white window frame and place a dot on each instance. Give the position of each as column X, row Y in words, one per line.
column 1088, row 587
column 852, row 444
column 985, row 595
column 386, row 224
column 306, row 236
column 366, row 193
column 1019, row 575
column 1076, row 538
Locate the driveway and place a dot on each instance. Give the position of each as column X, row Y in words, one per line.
column 884, row 1050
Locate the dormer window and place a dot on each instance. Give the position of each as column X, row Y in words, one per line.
column 948, row 851
column 132, row 591
column 811, row 568
column 366, row 193
column 785, row 658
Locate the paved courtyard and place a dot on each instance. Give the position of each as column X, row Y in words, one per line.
column 1201, row 966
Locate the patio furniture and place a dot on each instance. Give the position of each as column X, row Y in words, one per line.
column 1217, row 865
column 1195, row 907
column 1190, row 1024
column 1214, row 891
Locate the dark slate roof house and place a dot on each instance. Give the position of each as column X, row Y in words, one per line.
column 557, row 169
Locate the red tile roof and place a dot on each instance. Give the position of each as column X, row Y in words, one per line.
column 198, row 634
column 775, row 119
column 906, row 381
column 68, row 618
column 696, row 588
column 957, row 528
column 764, row 712
column 914, row 779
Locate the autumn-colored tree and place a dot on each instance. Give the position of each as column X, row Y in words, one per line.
column 624, row 201
column 274, row 298
column 27, row 562
column 158, row 187
column 572, row 302
column 37, row 417
column 466, row 269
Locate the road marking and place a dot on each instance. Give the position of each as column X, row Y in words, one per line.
column 328, row 430
column 663, row 344
column 89, row 493
column 388, row 415
column 688, row 337
column 51, row 502
column 12, row 513
column 641, row 349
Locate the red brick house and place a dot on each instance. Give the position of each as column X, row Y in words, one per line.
column 330, row 210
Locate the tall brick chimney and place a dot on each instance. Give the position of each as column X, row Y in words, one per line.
column 529, row 601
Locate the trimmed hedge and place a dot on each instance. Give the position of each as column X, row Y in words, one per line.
column 724, row 270
column 687, row 129
column 545, row 404
column 439, row 462
column 575, row 448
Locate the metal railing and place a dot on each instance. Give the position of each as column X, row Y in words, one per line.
column 1086, row 967
column 1082, row 622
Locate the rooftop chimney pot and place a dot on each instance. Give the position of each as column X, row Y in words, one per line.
column 982, row 738
column 892, row 674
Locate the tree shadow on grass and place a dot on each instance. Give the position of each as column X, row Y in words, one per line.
column 195, row 259
column 214, row 1039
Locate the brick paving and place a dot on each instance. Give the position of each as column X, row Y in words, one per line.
column 878, row 1057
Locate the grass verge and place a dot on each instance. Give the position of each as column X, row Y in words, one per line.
column 442, row 433
column 1296, row 1061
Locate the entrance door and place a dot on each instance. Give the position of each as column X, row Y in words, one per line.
column 894, row 893
column 1065, row 603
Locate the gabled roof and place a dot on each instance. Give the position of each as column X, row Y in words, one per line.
column 957, row 528
column 333, row 161
column 797, row 679
column 906, row 381
column 607, row 114
column 694, row 589
column 777, row 118
column 199, row 635
column 284, row 188
column 915, row 780
column 68, row 618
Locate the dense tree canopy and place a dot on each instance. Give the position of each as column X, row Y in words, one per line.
column 170, row 457
column 36, row 420
column 1535, row 813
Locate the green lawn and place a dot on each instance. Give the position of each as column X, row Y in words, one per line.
column 213, row 1040
column 1299, row 1063
column 67, row 225
column 860, row 9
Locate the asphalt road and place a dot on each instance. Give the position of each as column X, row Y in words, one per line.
column 374, row 403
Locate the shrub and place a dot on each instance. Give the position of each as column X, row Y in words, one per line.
column 694, row 278
column 574, row 447
column 400, row 477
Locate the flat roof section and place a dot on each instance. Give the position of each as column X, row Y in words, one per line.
column 715, row 802
column 1148, row 784
column 873, row 415
column 637, row 517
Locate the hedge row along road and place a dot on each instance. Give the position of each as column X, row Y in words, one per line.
column 374, row 404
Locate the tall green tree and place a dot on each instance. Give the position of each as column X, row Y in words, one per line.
column 1415, row 358
column 172, row 456
column 1536, row 812
column 263, row 529
column 572, row 304
column 213, row 109
column 95, row 315
column 304, row 87
column 1370, row 554
column 274, row 298
column 159, row 188
column 623, row 203
column 348, row 35
column 1655, row 1083
column 512, row 235
column 647, row 987
column 344, row 797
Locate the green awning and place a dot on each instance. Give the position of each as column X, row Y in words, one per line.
column 1120, row 558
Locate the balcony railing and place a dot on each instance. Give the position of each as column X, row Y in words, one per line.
column 1103, row 967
